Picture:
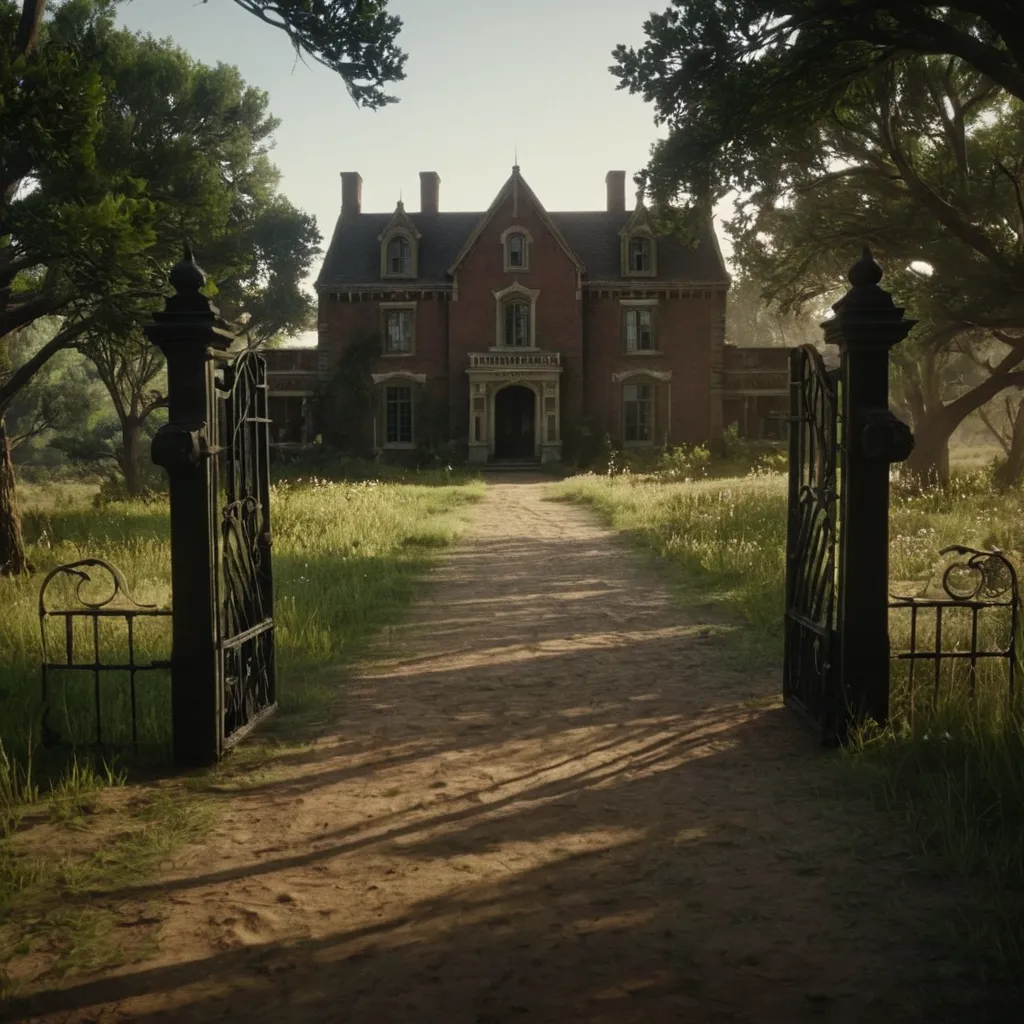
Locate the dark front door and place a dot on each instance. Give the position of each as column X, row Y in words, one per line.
column 514, row 416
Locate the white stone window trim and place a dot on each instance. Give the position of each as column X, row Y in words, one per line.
column 512, row 292
column 385, row 262
column 649, row 304
column 385, row 308
column 516, row 229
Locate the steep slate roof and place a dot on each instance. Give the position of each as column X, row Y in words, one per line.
column 353, row 257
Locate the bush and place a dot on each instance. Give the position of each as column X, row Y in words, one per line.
column 685, row 462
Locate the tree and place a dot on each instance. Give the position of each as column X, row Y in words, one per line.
column 355, row 38
column 922, row 160
column 91, row 220
column 739, row 82
column 751, row 319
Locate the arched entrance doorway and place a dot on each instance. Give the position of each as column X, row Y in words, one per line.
column 515, row 423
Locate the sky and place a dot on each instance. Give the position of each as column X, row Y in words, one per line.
column 486, row 81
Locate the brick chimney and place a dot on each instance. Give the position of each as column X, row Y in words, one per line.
column 616, row 185
column 351, row 194
column 430, row 189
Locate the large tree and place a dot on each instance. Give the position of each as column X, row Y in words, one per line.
column 919, row 156
column 169, row 150
column 924, row 160
column 737, row 81
column 354, row 38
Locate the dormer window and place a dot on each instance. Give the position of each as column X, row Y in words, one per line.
column 399, row 259
column 515, row 243
column 517, row 324
column 640, row 261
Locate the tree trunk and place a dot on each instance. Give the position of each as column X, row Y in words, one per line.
column 131, row 439
column 928, row 464
column 12, row 546
column 1011, row 471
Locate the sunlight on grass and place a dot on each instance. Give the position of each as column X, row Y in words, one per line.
column 952, row 767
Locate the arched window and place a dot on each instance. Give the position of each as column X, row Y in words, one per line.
column 516, row 251
column 640, row 254
column 517, row 324
column 399, row 256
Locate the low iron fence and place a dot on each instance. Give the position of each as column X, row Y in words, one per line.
column 90, row 627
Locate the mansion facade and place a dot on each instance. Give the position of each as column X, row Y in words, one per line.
column 526, row 328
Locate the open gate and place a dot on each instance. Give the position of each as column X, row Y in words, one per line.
column 810, row 663
column 244, row 579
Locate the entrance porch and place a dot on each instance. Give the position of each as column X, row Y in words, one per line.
column 514, row 406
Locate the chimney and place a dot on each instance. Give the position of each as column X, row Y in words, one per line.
column 616, row 184
column 430, row 187
column 351, row 194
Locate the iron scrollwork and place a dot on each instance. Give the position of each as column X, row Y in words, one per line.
column 118, row 604
column 977, row 582
column 246, row 600
column 809, row 677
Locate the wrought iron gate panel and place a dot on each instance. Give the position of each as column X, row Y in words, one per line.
column 244, row 585
column 810, row 682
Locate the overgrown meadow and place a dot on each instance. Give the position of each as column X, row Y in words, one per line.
column 346, row 555
column 951, row 766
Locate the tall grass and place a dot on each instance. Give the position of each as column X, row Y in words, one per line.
column 951, row 765
column 346, row 555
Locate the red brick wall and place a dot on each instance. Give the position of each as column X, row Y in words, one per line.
column 347, row 322
column 683, row 332
column 559, row 325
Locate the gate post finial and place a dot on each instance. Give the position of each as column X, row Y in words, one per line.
column 866, row 325
column 191, row 333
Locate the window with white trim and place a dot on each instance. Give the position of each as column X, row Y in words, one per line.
column 639, row 330
column 638, row 413
column 517, row 324
column 398, row 332
column 399, row 261
column 398, row 414
column 640, row 254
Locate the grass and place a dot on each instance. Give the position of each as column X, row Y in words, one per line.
column 951, row 768
column 347, row 556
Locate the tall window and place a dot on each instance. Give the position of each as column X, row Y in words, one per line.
column 516, row 251
column 517, row 324
column 398, row 415
column 399, row 256
column 638, row 410
column 640, row 254
column 398, row 327
column 639, row 331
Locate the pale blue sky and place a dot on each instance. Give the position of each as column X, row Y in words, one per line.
column 483, row 78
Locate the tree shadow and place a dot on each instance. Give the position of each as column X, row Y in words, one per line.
column 575, row 814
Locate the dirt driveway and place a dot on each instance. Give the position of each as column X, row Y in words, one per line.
column 549, row 800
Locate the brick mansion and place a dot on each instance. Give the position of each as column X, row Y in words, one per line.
column 528, row 327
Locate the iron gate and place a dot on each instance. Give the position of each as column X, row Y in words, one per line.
column 244, row 580
column 810, row 662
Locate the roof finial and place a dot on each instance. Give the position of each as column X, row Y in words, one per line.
column 515, row 158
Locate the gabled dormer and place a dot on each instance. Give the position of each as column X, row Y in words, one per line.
column 399, row 246
column 639, row 245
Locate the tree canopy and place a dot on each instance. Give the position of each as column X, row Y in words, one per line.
column 357, row 39
column 738, row 82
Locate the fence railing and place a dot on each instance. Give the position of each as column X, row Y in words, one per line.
column 70, row 648
column 973, row 620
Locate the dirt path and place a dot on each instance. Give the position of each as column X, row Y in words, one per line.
column 547, row 802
